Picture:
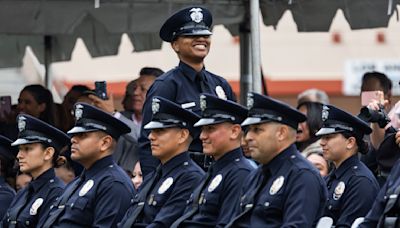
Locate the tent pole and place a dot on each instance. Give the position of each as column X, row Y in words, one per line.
column 255, row 45
column 47, row 60
column 245, row 59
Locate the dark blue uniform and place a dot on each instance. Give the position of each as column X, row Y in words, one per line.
column 217, row 199
column 294, row 194
column 33, row 201
column 386, row 207
column 166, row 201
column 7, row 195
column 352, row 189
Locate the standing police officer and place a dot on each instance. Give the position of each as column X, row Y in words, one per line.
column 286, row 190
column 212, row 202
column 341, row 140
column 100, row 196
column 188, row 31
column 162, row 198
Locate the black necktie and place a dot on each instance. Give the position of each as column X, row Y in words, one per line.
column 200, row 79
column 61, row 203
column 196, row 197
column 142, row 198
column 266, row 174
column 17, row 210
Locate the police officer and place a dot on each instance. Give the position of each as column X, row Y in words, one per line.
column 163, row 195
column 39, row 148
column 341, row 140
column 188, row 31
column 7, row 159
column 100, row 196
column 286, row 190
column 212, row 202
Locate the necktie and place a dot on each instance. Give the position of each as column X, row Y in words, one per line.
column 266, row 174
column 200, row 78
column 142, row 198
column 61, row 203
column 17, row 210
column 196, row 197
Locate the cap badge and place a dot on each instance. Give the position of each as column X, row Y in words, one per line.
column 276, row 185
column 78, row 111
column 165, row 185
column 203, row 103
column 35, row 206
column 21, row 123
column 86, row 188
column 250, row 100
column 325, row 113
column 215, row 183
column 339, row 190
column 196, row 15
column 155, row 106
column 220, row 92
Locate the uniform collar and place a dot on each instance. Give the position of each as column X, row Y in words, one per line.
column 348, row 163
column 189, row 71
column 174, row 162
column 227, row 158
column 98, row 166
column 276, row 163
column 2, row 180
column 42, row 179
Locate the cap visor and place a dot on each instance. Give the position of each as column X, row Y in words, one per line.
column 158, row 125
column 252, row 120
column 22, row 141
column 200, row 32
column 327, row 131
column 77, row 130
column 204, row 121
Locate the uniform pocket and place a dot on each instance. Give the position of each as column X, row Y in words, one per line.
column 80, row 203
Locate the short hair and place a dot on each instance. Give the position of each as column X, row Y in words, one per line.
column 312, row 95
column 384, row 81
column 79, row 88
column 151, row 71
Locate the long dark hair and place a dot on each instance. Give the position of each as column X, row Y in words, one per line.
column 43, row 95
column 361, row 143
column 314, row 122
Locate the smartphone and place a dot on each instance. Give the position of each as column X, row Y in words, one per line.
column 368, row 96
column 101, row 89
column 5, row 106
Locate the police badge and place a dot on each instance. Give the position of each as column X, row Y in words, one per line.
column 250, row 100
column 21, row 123
column 196, row 15
column 339, row 190
column 35, row 206
column 325, row 112
column 203, row 103
column 78, row 111
column 276, row 185
column 155, row 105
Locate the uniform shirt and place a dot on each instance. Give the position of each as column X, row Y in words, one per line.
column 216, row 202
column 294, row 194
column 35, row 200
column 166, row 201
column 387, row 191
column 7, row 195
column 345, row 186
column 101, row 199
column 180, row 86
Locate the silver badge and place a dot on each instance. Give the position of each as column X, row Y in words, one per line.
column 165, row 185
column 86, row 188
column 78, row 111
column 35, row 206
column 196, row 15
column 214, row 183
column 250, row 100
column 339, row 190
column 203, row 103
column 220, row 92
column 325, row 112
column 21, row 123
column 155, row 105
column 276, row 185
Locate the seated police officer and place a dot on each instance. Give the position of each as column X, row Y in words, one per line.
column 352, row 187
column 100, row 196
column 7, row 160
column 39, row 148
column 163, row 195
column 212, row 202
column 286, row 190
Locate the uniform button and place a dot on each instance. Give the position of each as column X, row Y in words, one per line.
column 72, row 205
column 27, row 223
column 266, row 204
column 330, row 207
column 131, row 200
column 293, row 156
column 355, row 167
column 51, row 180
column 186, row 163
column 111, row 166
column 154, row 203
column 51, row 207
column 237, row 159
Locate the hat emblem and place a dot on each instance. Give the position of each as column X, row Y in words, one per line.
column 21, row 123
column 155, row 106
column 325, row 113
column 203, row 103
column 78, row 111
column 196, row 15
column 250, row 100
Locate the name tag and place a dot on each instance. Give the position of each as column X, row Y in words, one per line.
column 188, row 105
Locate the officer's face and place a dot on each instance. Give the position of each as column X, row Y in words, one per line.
column 85, row 147
column 192, row 49
column 32, row 158
column 334, row 147
column 216, row 139
column 165, row 143
column 262, row 141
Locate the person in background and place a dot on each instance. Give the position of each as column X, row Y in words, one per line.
column 65, row 172
column 7, row 160
column 22, row 180
column 39, row 147
column 317, row 159
column 341, row 140
column 137, row 176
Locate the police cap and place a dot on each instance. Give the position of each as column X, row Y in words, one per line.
column 6, row 150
